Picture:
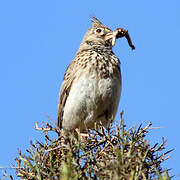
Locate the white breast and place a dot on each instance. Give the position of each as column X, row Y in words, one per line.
column 90, row 97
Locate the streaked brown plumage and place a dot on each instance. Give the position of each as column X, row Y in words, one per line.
column 91, row 88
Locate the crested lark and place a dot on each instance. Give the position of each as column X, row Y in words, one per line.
column 91, row 88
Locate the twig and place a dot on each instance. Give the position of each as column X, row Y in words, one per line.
column 43, row 129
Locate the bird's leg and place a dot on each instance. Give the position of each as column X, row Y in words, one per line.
column 83, row 136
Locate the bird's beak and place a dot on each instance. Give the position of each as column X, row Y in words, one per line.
column 111, row 36
column 119, row 33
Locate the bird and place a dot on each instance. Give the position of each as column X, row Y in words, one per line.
column 91, row 88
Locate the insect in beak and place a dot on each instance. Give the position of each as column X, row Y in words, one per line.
column 119, row 33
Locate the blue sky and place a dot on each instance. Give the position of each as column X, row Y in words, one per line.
column 39, row 38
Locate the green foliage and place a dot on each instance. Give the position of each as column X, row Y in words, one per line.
column 115, row 153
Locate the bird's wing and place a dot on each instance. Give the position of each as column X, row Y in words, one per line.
column 64, row 92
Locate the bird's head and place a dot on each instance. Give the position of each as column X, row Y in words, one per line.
column 101, row 35
column 98, row 34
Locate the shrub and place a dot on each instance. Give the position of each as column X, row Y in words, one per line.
column 114, row 153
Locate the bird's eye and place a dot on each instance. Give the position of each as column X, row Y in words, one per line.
column 98, row 30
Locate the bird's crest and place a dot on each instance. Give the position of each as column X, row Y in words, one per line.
column 96, row 23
